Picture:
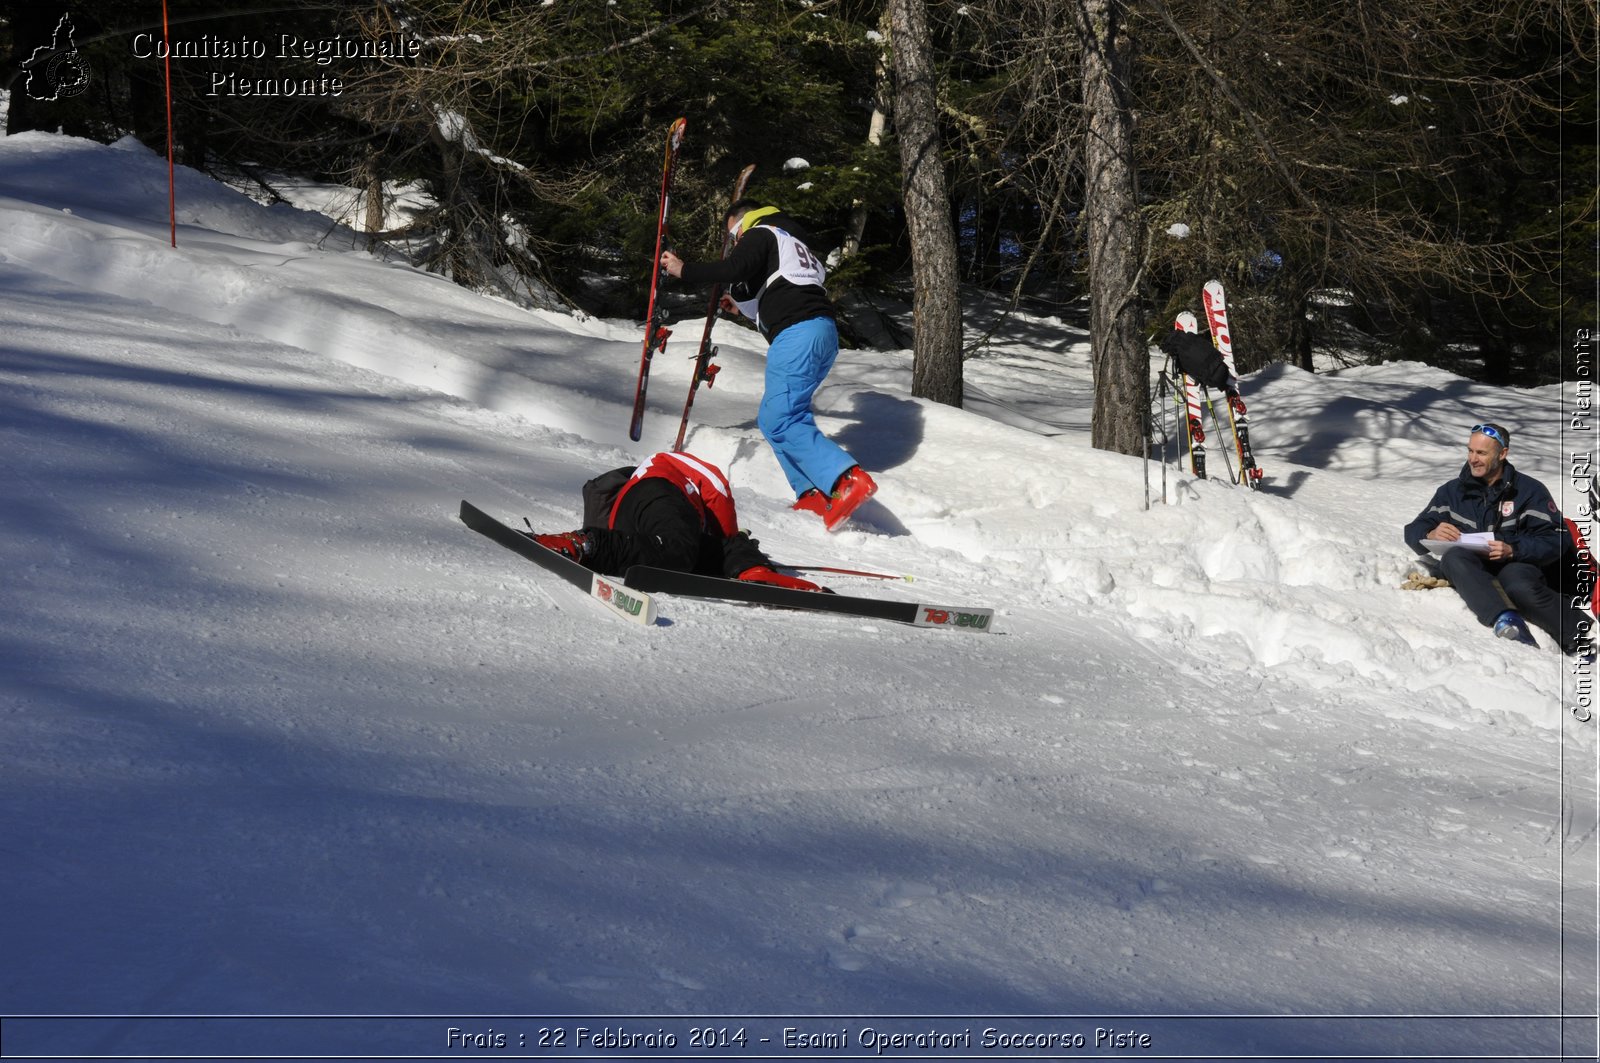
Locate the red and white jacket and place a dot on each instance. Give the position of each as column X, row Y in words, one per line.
column 703, row 483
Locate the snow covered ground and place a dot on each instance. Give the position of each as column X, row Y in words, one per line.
column 278, row 735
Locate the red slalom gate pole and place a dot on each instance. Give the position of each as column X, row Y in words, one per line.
column 172, row 187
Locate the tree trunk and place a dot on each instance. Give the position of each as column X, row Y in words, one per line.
column 1118, row 351
column 1300, row 330
column 372, row 178
column 936, row 365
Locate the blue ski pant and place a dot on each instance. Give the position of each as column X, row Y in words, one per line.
column 797, row 363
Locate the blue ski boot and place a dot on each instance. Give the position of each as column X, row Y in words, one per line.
column 1508, row 625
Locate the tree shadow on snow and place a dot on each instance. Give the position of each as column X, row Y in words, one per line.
column 1285, row 486
column 884, row 431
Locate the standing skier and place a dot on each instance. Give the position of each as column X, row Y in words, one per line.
column 675, row 511
column 776, row 280
column 1529, row 537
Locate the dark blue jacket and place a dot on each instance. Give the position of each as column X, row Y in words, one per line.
column 1518, row 509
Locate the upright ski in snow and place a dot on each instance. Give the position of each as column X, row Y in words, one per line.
column 655, row 330
column 1217, row 319
column 626, row 602
column 1194, row 427
column 703, row 369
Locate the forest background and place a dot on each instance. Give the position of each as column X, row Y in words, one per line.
column 1409, row 179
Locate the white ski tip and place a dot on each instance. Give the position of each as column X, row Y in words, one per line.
column 625, row 601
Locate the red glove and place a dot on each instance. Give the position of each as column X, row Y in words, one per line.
column 763, row 574
column 574, row 545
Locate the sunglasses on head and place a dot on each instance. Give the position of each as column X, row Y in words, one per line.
column 1494, row 432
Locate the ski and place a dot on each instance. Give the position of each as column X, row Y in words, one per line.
column 1194, row 427
column 704, row 371
column 665, row 581
column 1216, row 302
column 627, row 602
column 655, row 330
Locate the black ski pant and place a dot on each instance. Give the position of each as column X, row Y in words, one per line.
column 1491, row 587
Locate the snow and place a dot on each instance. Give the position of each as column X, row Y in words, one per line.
column 344, row 205
column 278, row 735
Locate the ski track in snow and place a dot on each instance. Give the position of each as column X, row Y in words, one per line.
column 280, row 735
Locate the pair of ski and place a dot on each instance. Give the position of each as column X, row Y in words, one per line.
column 655, row 330
column 1193, row 392
column 630, row 597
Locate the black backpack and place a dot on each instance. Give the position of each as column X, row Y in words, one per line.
column 1197, row 357
column 600, row 494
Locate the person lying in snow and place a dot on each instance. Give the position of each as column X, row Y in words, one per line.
column 673, row 511
column 1513, row 574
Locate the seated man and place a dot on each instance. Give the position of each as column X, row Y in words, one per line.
column 1507, row 582
column 674, row 511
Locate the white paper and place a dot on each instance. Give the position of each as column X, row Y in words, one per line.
column 1477, row 542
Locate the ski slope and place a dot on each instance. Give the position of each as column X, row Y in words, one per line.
column 278, row 735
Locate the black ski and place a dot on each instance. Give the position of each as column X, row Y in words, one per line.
column 627, row 603
column 666, row 581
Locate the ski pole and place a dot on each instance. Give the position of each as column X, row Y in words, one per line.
column 1216, row 420
column 1168, row 390
column 847, row 572
column 1146, row 440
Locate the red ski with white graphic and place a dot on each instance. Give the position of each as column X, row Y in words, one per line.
column 1216, row 301
column 655, row 330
